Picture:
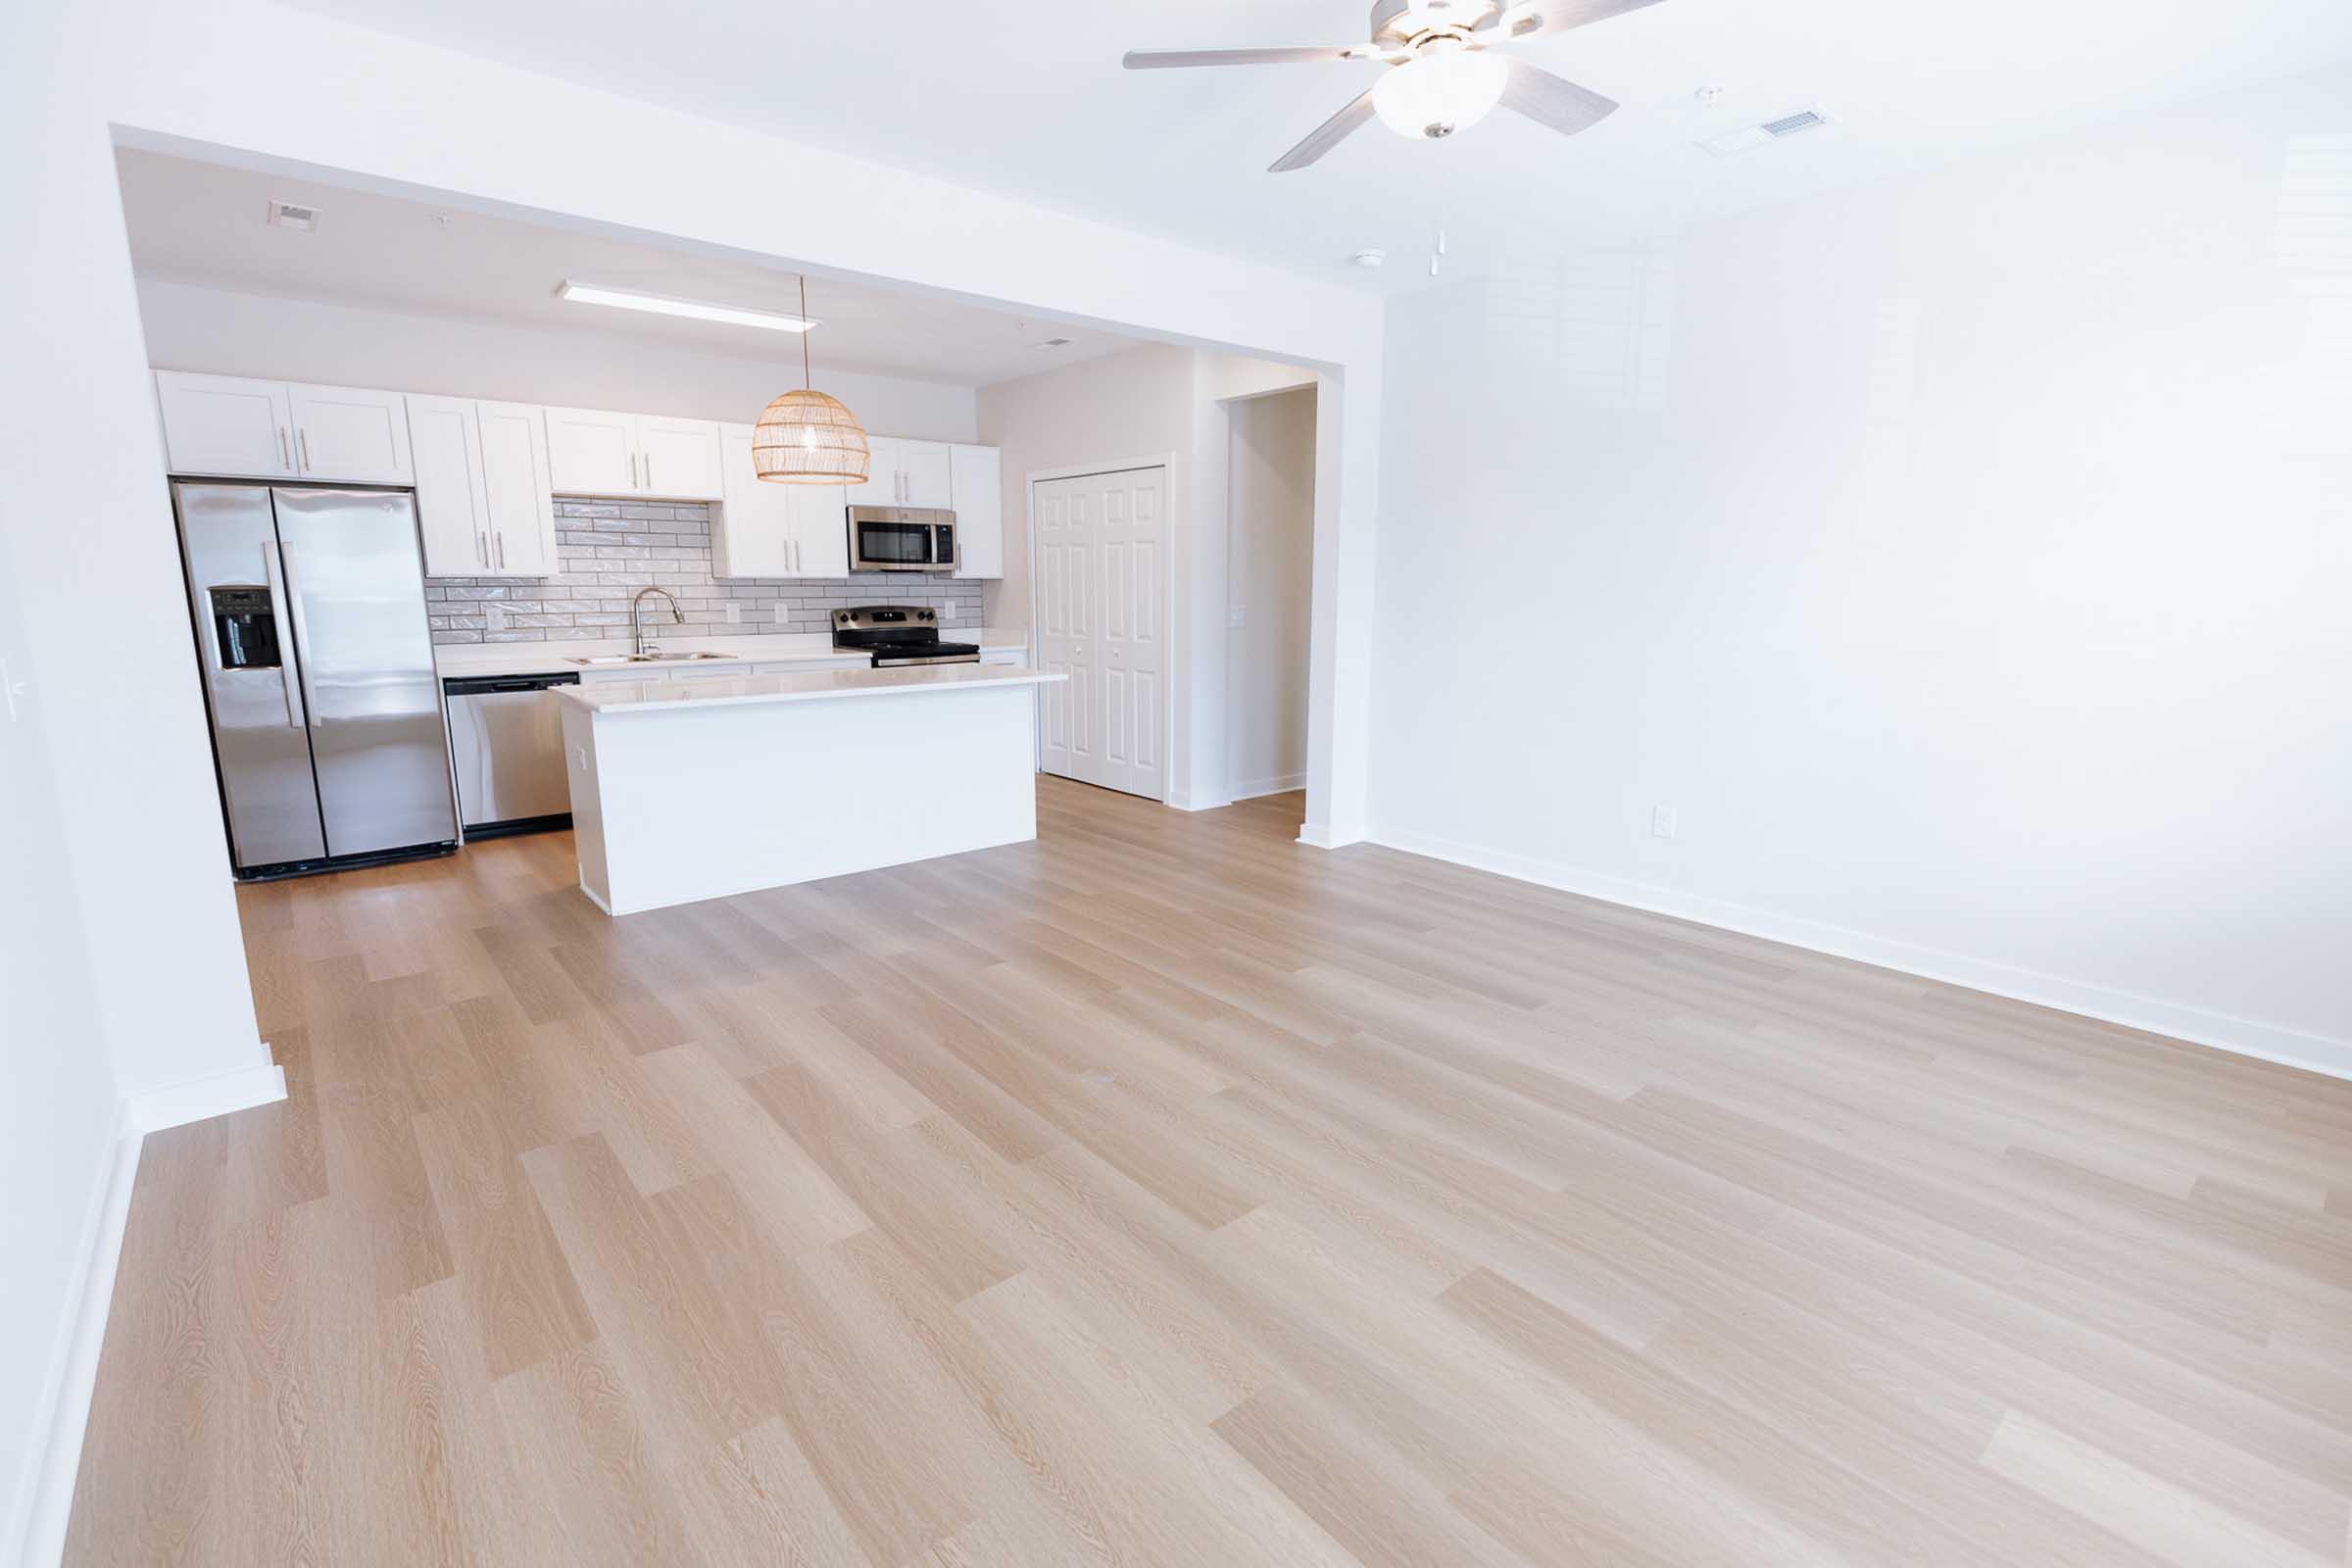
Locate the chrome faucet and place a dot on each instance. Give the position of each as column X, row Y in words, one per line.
column 646, row 644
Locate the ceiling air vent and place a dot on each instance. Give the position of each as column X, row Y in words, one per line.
column 1748, row 138
column 1052, row 343
column 292, row 215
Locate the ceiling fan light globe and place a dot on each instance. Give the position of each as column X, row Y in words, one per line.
column 1442, row 90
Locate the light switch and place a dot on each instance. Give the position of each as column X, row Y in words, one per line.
column 1661, row 822
column 494, row 618
column 734, row 613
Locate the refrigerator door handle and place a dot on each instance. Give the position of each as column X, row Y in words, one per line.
column 279, row 602
column 302, row 640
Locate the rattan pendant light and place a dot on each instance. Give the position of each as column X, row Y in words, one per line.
column 806, row 437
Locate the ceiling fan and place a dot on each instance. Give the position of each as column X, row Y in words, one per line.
column 1442, row 78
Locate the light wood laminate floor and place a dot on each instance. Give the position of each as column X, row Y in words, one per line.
column 1167, row 1193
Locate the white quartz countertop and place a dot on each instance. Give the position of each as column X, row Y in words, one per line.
column 815, row 685
column 470, row 660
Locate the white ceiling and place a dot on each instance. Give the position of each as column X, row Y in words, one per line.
column 200, row 223
column 1029, row 99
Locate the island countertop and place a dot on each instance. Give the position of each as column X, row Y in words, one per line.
column 815, row 685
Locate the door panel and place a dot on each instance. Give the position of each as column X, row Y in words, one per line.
column 977, row 481
column 518, row 490
column 881, row 487
column 225, row 424
column 929, row 469
column 451, row 512
column 357, row 597
column 259, row 740
column 1102, row 552
column 821, row 529
column 352, row 435
column 591, row 451
column 679, row 457
column 753, row 533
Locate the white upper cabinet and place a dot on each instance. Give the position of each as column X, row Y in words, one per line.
column 453, row 515
column 766, row 529
column 925, row 470
column 978, row 495
column 679, row 457
column 229, row 424
column 594, row 452
column 225, row 424
column 751, row 535
column 881, row 487
column 906, row 473
column 519, row 489
column 484, row 505
column 351, row 435
column 821, row 527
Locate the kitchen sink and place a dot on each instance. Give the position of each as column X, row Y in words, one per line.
column 606, row 661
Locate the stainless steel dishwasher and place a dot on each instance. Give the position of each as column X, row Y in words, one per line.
column 506, row 740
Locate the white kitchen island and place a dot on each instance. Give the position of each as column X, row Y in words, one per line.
column 695, row 790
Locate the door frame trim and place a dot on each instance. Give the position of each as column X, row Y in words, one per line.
column 1167, row 463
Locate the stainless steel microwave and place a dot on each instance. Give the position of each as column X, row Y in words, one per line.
column 902, row 539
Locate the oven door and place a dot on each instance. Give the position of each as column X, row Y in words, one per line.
column 881, row 539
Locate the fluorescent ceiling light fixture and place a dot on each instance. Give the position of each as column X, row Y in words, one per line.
column 699, row 309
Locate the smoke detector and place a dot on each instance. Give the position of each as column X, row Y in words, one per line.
column 293, row 214
column 1370, row 259
column 1748, row 138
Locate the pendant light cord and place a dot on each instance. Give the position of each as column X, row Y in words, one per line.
column 806, row 383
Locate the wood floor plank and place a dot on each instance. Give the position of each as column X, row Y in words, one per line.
column 1167, row 1191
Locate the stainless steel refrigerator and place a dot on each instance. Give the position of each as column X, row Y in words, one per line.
column 309, row 604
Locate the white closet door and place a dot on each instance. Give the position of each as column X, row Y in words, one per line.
column 1102, row 585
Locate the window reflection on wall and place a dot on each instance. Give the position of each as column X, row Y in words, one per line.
column 1599, row 324
column 2314, row 244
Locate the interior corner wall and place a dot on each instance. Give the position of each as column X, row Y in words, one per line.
column 59, row 1105
column 1965, row 560
column 1147, row 403
column 191, row 326
column 1269, row 590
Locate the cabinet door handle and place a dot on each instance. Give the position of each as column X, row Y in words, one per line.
column 481, row 546
column 285, row 459
column 500, row 537
column 306, row 450
column 649, row 470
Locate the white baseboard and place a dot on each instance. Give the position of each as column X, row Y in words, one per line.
column 238, row 1089
column 2222, row 1031
column 1279, row 784
column 65, row 1414
column 1185, row 803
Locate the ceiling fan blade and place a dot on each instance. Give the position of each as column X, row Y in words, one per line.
column 1168, row 58
column 1531, row 17
column 1325, row 137
column 1548, row 100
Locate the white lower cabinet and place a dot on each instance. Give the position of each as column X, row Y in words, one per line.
column 484, row 504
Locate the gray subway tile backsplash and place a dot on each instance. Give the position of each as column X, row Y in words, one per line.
column 609, row 548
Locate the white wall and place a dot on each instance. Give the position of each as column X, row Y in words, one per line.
column 191, row 327
column 1966, row 559
column 58, row 1101
column 1270, row 522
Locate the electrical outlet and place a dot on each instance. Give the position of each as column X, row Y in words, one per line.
column 734, row 613
column 1661, row 822
column 494, row 618
column 12, row 689
column 1237, row 618
column 783, row 614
